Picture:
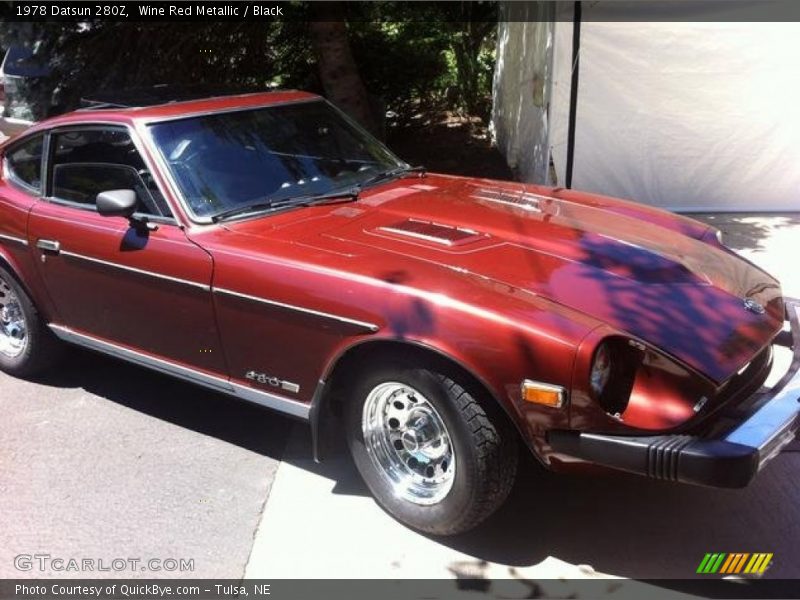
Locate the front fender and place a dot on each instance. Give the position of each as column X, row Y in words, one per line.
column 521, row 337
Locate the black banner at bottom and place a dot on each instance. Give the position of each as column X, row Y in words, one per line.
column 381, row 589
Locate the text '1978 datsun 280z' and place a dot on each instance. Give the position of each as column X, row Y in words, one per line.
column 265, row 246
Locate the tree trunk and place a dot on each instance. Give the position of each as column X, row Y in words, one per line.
column 337, row 69
column 467, row 39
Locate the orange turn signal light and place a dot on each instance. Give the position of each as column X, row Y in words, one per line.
column 546, row 394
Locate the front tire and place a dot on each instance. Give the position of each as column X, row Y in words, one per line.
column 436, row 456
column 27, row 346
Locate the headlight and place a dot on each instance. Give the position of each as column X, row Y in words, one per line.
column 601, row 370
column 614, row 367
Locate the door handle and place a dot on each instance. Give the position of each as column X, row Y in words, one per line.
column 49, row 246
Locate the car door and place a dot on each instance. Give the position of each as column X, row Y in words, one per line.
column 139, row 291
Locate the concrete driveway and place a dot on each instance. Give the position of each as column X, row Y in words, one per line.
column 106, row 460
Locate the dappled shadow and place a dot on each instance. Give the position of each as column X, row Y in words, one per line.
column 614, row 523
column 638, row 528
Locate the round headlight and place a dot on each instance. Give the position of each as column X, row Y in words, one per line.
column 615, row 364
column 601, row 369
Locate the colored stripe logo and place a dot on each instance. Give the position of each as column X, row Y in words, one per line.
column 734, row 563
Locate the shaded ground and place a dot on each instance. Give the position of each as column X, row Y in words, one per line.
column 751, row 231
column 103, row 460
column 770, row 240
column 447, row 143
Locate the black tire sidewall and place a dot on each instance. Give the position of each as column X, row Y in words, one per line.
column 444, row 516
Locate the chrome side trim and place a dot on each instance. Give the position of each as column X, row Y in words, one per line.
column 272, row 401
column 317, row 313
column 106, row 263
column 158, row 364
column 12, row 238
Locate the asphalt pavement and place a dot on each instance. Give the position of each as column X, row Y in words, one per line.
column 102, row 460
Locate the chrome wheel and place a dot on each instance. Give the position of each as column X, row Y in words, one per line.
column 408, row 443
column 13, row 329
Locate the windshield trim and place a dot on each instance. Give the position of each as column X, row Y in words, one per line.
column 163, row 164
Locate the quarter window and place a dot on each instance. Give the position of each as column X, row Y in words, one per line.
column 24, row 163
column 87, row 162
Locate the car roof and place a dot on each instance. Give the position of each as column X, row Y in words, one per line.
column 153, row 95
column 108, row 112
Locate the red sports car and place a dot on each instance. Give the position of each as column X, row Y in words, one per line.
column 266, row 247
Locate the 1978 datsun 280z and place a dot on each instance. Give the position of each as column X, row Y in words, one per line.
column 264, row 246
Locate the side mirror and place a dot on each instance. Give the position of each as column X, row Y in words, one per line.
column 116, row 203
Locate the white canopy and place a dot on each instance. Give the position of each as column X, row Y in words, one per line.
column 690, row 116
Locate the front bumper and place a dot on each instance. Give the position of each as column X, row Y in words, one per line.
column 730, row 460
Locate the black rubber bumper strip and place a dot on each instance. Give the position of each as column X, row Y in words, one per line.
column 683, row 458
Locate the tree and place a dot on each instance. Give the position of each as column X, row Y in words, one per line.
column 407, row 57
column 470, row 25
column 338, row 72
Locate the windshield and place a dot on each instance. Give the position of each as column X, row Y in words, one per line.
column 233, row 159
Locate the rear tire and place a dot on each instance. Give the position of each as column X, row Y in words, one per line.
column 437, row 457
column 27, row 346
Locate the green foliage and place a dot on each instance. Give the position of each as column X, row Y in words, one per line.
column 426, row 53
column 401, row 62
column 408, row 54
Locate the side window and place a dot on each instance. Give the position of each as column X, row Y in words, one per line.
column 87, row 162
column 24, row 163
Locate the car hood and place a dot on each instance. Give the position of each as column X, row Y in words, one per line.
column 641, row 271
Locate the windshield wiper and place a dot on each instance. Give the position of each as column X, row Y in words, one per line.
column 238, row 210
column 350, row 194
column 391, row 174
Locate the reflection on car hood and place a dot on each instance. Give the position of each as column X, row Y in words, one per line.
column 642, row 271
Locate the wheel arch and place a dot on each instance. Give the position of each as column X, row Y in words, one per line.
column 31, row 285
column 10, row 265
column 324, row 413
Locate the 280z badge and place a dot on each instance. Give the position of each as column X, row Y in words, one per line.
column 273, row 381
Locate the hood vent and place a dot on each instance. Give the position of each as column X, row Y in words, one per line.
column 525, row 200
column 427, row 231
